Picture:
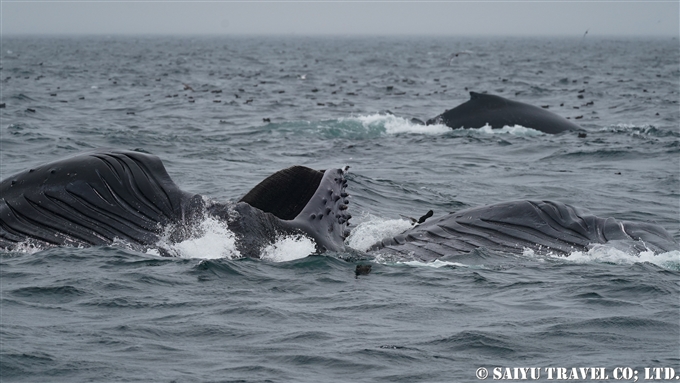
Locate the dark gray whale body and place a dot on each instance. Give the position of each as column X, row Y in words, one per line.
column 99, row 197
column 498, row 112
column 542, row 226
column 102, row 196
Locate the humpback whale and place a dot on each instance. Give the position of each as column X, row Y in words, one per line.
column 496, row 111
column 542, row 226
column 99, row 197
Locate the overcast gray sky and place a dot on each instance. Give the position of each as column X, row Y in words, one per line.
column 604, row 18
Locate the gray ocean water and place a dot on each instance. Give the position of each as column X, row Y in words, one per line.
column 109, row 314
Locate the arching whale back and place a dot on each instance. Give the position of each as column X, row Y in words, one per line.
column 543, row 226
column 498, row 112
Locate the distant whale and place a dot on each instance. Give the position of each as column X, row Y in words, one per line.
column 99, row 197
column 104, row 196
column 497, row 112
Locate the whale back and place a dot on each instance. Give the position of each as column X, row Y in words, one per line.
column 542, row 226
column 497, row 112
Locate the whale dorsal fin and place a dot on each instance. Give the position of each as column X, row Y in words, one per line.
column 484, row 96
column 475, row 95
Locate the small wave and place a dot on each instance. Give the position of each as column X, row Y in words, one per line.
column 21, row 97
column 606, row 253
column 373, row 229
column 288, row 248
column 641, row 130
column 49, row 294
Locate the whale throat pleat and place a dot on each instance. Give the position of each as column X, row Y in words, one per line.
column 91, row 199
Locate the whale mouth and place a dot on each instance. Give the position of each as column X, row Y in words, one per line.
column 305, row 200
column 286, row 192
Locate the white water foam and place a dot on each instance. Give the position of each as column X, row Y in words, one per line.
column 288, row 248
column 434, row 264
column 212, row 240
column 395, row 125
column 387, row 124
column 28, row 247
column 515, row 130
column 373, row 229
column 605, row 253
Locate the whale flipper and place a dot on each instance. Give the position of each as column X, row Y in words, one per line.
column 543, row 226
column 496, row 111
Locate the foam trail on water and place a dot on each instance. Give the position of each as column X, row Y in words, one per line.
column 395, row 125
column 288, row 248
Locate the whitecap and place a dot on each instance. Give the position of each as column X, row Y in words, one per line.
column 608, row 253
column 391, row 124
